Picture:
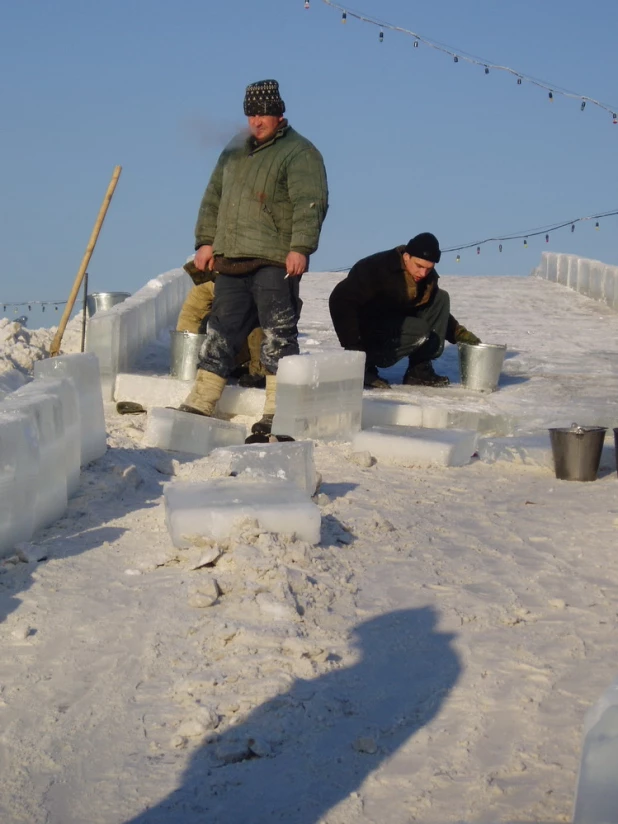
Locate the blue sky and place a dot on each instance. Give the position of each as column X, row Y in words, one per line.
column 412, row 142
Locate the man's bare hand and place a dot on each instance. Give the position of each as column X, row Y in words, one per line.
column 204, row 259
column 295, row 264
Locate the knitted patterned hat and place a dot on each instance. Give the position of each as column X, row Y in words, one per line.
column 424, row 246
column 263, row 98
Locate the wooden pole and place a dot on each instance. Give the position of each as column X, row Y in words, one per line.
column 55, row 346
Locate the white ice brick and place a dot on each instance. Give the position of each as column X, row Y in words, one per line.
column 19, row 462
column 213, row 509
column 444, row 417
column 597, row 276
column 320, row 395
column 407, row 446
column 562, row 267
column 573, row 274
column 186, row 432
column 286, row 461
column 525, row 450
column 583, row 276
column 552, row 266
column 64, row 390
column 163, row 390
column 609, row 285
column 390, row 413
column 83, row 368
column 50, row 483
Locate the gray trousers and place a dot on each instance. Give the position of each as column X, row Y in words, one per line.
column 388, row 338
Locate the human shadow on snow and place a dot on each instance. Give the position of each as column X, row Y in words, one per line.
column 303, row 752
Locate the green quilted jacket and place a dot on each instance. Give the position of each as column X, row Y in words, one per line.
column 265, row 200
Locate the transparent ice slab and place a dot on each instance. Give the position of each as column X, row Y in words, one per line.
column 213, row 509
column 186, row 432
column 286, row 461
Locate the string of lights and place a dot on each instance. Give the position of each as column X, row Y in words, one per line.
column 530, row 233
column 30, row 303
column 459, row 55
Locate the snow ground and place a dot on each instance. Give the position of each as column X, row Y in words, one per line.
column 430, row 661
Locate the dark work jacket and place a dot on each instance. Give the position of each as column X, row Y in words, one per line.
column 377, row 285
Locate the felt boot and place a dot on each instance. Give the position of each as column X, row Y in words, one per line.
column 265, row 424
column 206, row 391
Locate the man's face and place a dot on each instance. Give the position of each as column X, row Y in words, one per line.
column 263, row 126
column 417, row 268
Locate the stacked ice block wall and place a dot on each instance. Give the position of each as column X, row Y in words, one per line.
column 588, row 277
column 118, row 335
column 49, row 428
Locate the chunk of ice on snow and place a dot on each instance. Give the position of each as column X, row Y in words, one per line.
column 388, row 413
column 186, row 432
column 525, row 450
column 409, row 446
column 212, row 509
column 286, row 461
column 320, row 395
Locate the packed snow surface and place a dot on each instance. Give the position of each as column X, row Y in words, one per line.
column 431, row 660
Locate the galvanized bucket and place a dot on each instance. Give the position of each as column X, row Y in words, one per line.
column 480, row 365
column 100, row 301
column 577, row 451
column 184, row 354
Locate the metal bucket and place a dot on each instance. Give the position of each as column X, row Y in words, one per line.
column 577, row 451
column 616, row 446
column 184, row 354
column 480, row 365
column 100, row 301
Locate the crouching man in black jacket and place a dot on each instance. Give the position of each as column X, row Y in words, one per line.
column 390, row 306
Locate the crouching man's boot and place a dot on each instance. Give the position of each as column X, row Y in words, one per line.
column 422, row 374
column 206, row 391
column 265, row 424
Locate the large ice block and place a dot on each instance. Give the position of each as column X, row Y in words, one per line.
column 387, row 413
column 83, row 368
column 532, row 451
column 163, row 390
column 320, row 395
column 19, row 462
column 214, row 508
column 64, row 390
column 10, row 380
column 287, row 461
column 50, row 484
column 408, row 446
column 596, row 799
column 186, row 432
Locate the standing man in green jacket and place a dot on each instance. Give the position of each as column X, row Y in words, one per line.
column 390, row 306
column 259, row 221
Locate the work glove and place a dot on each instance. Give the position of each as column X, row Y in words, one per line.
column 463, row 335
column 197, row 275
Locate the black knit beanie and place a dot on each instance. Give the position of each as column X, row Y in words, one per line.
column 424, row 246
column 263, row 98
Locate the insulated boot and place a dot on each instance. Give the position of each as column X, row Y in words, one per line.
column 422, row 374
column 265, row 424
column 373, row 380
column 206, row 391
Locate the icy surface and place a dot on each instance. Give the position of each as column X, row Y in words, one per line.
column 186, row 432
column 213, row 509
column 320, row 395
column 430, row 660
column 287, row 461
column 410, row 446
